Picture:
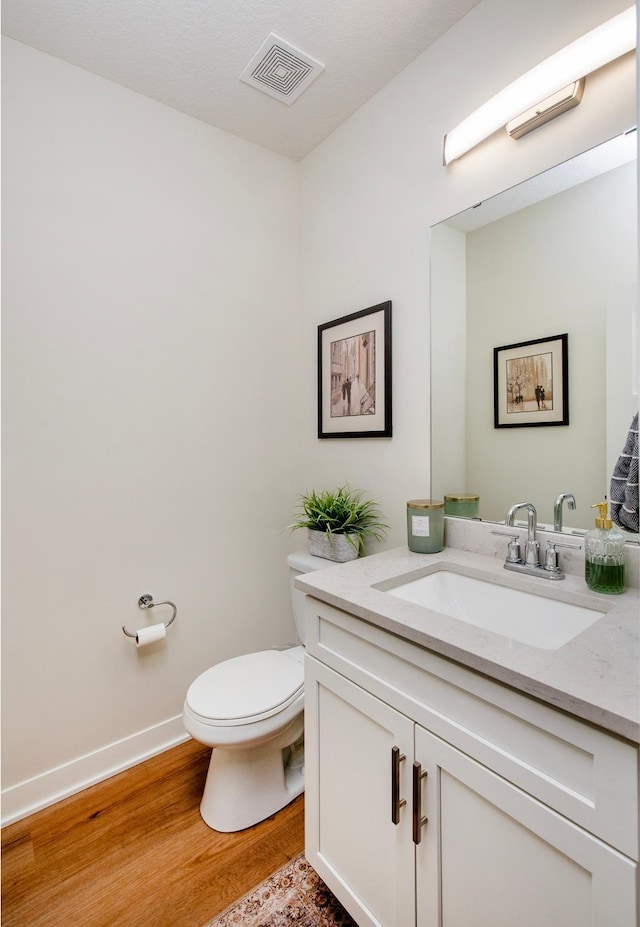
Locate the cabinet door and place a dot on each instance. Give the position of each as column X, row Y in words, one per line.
column 492, row 855
column 365, row 859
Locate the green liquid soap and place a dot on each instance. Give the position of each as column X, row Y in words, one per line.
column 604, row 577
column 604, row 554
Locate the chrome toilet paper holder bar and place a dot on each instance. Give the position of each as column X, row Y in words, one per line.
column 146, row 601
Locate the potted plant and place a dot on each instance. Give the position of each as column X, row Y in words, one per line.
column 339, row 521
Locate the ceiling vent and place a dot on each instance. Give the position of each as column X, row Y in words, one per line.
column 280, row 70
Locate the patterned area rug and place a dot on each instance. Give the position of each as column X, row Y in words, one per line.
column 294, row 895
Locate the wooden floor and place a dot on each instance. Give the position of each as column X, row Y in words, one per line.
column 134, row 851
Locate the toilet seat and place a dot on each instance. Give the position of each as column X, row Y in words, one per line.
column 246, row 689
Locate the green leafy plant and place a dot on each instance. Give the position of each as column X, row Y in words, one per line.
column 340, row 511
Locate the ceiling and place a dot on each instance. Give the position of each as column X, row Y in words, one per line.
column 189, row 54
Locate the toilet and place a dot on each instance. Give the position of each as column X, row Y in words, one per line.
column 250, row 710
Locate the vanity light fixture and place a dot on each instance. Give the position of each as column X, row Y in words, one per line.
column 546, row 110
column 555, row 78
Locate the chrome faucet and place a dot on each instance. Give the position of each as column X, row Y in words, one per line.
column 570, row 499
column 531, row 563
column 532, row 548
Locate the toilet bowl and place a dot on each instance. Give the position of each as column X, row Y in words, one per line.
column 250, row 710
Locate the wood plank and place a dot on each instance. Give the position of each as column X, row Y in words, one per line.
column 134, row 851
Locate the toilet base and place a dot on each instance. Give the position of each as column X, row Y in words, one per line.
column 244, row 787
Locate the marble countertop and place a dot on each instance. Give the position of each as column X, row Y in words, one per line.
column 595, row 676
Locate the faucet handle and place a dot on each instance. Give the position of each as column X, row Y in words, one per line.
column 513, row 552
column 551, row 558
column 551, row 555
column 562, row 544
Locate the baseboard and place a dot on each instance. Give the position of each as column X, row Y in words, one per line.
column 43, row 790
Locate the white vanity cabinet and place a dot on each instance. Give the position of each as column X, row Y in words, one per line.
column 509, row 812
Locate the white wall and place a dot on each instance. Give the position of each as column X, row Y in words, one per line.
column 585, row 246
column 159, row 386
column 373, row 189
column 151, row 338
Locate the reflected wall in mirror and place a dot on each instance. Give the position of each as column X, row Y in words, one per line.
column 557, row 253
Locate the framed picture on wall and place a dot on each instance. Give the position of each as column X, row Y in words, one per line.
column 354, row 375
column 531, row 383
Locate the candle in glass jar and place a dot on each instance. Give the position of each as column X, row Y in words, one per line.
column 464, row 505
column 425, row 525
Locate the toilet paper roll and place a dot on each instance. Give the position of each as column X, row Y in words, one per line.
column 146, row 636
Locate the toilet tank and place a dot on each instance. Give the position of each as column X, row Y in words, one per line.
column 301, row 562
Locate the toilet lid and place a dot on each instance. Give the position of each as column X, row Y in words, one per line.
column 247, row 688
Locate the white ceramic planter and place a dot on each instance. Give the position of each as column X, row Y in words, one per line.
column 331, row 546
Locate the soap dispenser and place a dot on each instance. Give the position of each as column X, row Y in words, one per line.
column 604, row 555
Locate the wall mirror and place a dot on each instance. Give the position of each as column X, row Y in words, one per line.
column 555, row 255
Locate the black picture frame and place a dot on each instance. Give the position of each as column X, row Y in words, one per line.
column 531, row 383
column 354, row 375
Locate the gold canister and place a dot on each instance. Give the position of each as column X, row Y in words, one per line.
column 425, row 525
column 462, row 504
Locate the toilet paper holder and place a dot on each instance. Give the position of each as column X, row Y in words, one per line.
column 146, row 601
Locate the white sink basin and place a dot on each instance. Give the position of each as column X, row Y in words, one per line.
column 520, row 616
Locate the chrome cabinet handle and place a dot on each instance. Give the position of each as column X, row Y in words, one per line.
column 396, row 802
column 417, row 819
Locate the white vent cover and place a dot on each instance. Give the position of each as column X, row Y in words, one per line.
column 280, row 70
